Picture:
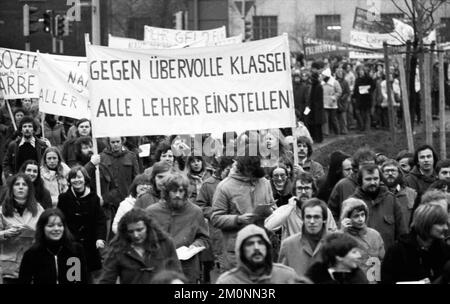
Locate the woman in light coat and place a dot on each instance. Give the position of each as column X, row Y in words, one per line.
column 54, row 173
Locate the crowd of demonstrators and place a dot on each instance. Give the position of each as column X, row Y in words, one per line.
column 273, row 217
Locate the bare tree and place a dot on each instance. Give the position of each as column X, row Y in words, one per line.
column 302, row 28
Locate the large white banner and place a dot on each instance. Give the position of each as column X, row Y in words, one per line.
column 63, row 82
column 191, row 91
column 18, row 74
column 166, row 38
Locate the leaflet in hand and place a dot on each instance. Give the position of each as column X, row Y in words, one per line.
column 185, row 253
column 364, row 89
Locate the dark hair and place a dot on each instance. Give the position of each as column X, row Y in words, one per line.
column 313, row 202
column 82, row 140
column 159, row 167
column 26, row 120
column 140, row 179
column 38, row 183
column 439, row 185
column 362, row 155
column 335, row 170
column 337, row 244
column 250, row 166
column 162, row 148
column 307, row 141
column 173, row 182
column 167, row 276
column 59, row 167
column 221, row 163
column 40, row 239
column 405, row 154
column 8, row 203
column 304, row 178
column 79, row 122
column 432, row 195
column 155, row 235
column 73, row 173
column 192, row 158
column 369, row 168
column 443, row 163
column 420, row 149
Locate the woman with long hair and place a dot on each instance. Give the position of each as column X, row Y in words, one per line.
column 139, row 251
column 85, row 217
column 140, row 186
column 54, row 173
column 18, row 217
column 157, row 176
column 32, row 169
column 335, row 173
column 54, row 258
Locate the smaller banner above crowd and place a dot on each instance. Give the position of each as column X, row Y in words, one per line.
column 166, row 38
column 190, row 91
column 18, row 74
column 63, row 82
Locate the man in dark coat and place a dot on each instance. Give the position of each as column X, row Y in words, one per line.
column 301, row 88
column 423, row 174
column 385, row 211
column 28, row 146
column 314, row 119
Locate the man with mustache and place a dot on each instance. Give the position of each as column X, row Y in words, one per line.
column 289, row 217
column 384, row 208
column 302, row 249
column 182, row 220
column 393, row 179
column 305, row 163
column 254, row 261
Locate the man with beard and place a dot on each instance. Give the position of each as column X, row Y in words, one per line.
column 289, row 217
column 235, row 203
column 302, row 249
column 346, row 186
column 393, row 179
column 24, row 148
column 254, row 265
column 182, row 220
column 384, row 209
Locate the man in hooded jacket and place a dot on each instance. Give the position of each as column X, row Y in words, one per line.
column 254, row 261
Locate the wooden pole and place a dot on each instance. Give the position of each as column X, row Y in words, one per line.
column 11, row 114
column 389, row 93
column 405, row 103
column 43, row 125
column 427, row 99
column 408, row 63
column 442, row 130
column 97, row 170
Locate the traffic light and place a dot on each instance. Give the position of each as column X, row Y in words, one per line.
column 60, row 25
column 48, row 21
column 30, row 20
column 248, row 30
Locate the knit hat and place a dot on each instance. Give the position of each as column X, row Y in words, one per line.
column 350, row 204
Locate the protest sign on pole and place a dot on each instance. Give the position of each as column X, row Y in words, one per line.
column 167, row 38
column 63, row 82
column 18, row 74
column 191, row 91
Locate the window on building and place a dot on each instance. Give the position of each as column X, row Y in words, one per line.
column 328, row 27
column 444, row 30
column 265, row 27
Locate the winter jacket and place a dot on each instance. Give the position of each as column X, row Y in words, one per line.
column 407, row 261
column 54, row 182
column 302, row 91
column 341, row 191
column 296, row 252
column 289, row 219
column 69, row 152
column 362, row 92
column 313, row 167
column 318, row 273
column 370, row 242
column 234, row 196
column 419, row 182
column 13, row 249
column 10, row 161
column 332, row 91
column 275, row 273
column 406, row 196
column 123, row 166
column 86, row 221
column 187, row 227
column 126, row 205
column 42, row 266
column 56, row 135
column 127, row 265
column 344, row 99
column 196, row 181
column 385, row 215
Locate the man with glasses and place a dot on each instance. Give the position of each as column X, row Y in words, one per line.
column 302, row 249
column 392, row 177
column 288, row 217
